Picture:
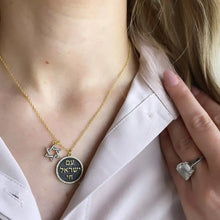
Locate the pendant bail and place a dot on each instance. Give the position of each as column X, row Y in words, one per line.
column 56, row 141
column 69, row 153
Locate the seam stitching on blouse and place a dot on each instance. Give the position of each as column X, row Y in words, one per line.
column 12, row 180
column 158, row 96
column 133, row 110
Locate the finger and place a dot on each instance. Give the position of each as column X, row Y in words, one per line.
column 198, row 123
column 172, row 160
column 210, row 106
column 184, row 146
column 182, row 142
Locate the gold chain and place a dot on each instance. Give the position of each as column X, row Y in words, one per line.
column 56, row 141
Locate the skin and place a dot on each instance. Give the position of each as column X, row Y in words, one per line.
column 46, row 42
column 66, row 55
column 194, row 133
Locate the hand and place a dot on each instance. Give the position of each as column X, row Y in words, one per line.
column 193, row 134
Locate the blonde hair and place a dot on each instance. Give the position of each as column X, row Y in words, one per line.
column 188, row 32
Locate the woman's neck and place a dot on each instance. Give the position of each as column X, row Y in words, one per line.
column 54, row 43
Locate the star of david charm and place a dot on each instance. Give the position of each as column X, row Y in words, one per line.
column 55, row 154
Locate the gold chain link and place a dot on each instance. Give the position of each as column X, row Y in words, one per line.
column 56, row 141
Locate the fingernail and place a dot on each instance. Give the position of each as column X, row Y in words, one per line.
column 170, row 79
column 195, row 91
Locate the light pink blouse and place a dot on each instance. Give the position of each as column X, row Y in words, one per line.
column 127, row 179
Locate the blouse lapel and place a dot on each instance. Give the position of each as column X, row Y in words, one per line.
column 142, row 117
column 16, row 198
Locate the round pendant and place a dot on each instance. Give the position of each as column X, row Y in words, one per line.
column 69, row 170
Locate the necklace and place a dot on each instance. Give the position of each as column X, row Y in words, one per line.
column 69, row 169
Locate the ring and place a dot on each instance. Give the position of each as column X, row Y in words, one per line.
column 186, row 169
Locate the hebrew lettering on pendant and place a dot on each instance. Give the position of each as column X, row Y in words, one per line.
column 70, row 177
column 69, row 162
column 66, row 170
